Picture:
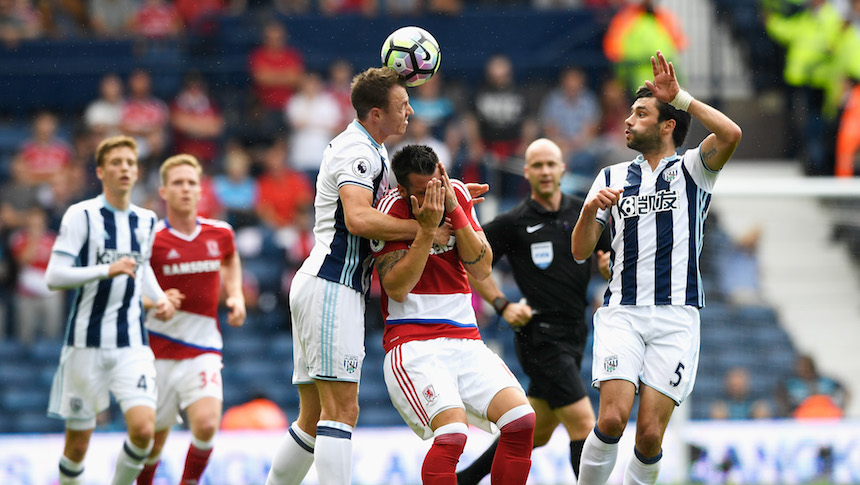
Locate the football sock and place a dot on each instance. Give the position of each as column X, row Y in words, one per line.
column 598, row 457
column 148, row 473
column 71, row 472
column 513, row 455
column 333, row 453
column 475, row 472
column 129, row 463
column 641, row 470
column 441, row 460
column 293, row 458
column 576, row 455
column 196, row 460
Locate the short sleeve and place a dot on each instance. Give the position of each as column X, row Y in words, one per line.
column 357, row 166
column 74, row 230
column 703, row 175
column 397, row 208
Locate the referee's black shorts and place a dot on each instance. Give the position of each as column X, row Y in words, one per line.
column 551, row 355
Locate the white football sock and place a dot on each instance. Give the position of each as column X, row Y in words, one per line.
column 71, row 472
column 293, row 458
column 641, row 470
column 598, row 458
column 129, row 463
column 333, row 453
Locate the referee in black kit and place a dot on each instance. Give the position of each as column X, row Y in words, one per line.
column 550, row 330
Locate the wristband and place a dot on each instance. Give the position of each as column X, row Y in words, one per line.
column 682, row 100
column 458, row 218
column 499, row 304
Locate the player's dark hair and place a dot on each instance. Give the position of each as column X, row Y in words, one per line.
column 666, row 111
column 370, row 89
column 419, row 159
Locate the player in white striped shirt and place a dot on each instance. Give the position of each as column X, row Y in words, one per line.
column 646, row 334
column 103, row 250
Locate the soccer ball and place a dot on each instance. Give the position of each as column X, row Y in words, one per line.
column 413, row 53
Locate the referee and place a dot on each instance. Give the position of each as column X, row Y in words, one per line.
column 550, row 329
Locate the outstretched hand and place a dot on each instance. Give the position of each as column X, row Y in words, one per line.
column 665, row 85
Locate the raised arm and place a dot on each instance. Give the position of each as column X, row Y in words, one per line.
column 472, row 246
column 587, row 231
column 400, row 270
column 725, row 135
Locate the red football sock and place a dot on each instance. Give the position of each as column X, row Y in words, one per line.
column 513, row 456
column 195, row 463
column 146, row 476
column 440, row 464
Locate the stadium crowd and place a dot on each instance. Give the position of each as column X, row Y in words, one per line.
column 261, row 146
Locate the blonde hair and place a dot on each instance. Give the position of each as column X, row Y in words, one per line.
column 177, row 160
column 109, row 144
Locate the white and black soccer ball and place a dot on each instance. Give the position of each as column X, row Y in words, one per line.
column 413, row 53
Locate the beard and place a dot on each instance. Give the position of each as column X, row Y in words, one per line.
column 644, row 142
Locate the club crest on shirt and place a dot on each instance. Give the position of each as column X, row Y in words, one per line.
column 542, row 254
column 670, row 174
column 361, row 168
column 610, row 363
column 350, row 363
column 429, row 394
column 212, row 247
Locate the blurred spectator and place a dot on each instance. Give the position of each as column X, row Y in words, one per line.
column 199, row 15
column 276, row 68
column 396, row 8
column 445, row 7
column 291, row 7
column 313, row 116
column 64, row 18
column 112, row 18
column 809, row 35
column 103, row 115
column 259, row 413
column 418, row 133
column 569, row 116
column 339, row 81
column 368, row 8
column 737, row 403
column 614, row 110
column 196, row 120
column 634, row 34
column 18, row 22
column 144, row 116
column 738, row 270
column 157, row 19
column 38, row 310
column 283, row 191
column 237, row 191
column 498, row 127
column 41, row 156
column 848, row 136
column 16, row 198
column 435, row 108
column 807, row 394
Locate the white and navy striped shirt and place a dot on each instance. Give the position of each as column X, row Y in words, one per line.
column 352, row 158
column 656, row 229
column 107, row 313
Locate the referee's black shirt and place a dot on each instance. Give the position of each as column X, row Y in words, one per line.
column 537, row 244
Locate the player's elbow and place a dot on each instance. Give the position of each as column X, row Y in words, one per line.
column 734, row 135
column 480, row 272
column 397, row 295
column 358, row 226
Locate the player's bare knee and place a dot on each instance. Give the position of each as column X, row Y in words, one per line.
column 542, row 435
column 649, row 439
column 612, row 424
column 205, row 429
column 141, row 433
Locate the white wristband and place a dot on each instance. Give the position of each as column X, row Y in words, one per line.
column 682, row 100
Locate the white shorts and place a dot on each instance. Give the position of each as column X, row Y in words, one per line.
column 87, row 376
column 655, row 345
column 426, row 377
column 181, row 383
column 328, row 330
